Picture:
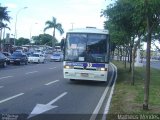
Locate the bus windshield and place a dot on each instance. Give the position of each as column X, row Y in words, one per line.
column 86, row 47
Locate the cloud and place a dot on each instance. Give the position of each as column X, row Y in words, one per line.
column 11, row 5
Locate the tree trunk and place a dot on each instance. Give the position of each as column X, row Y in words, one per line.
column 147, row 76
column 132, row 72
column 0, row 38
column 133, row 59
column 130, row 62
column 118, row 58
column 53, row 42
column 128, row 53
column 120, row 53
column 113, row 54
column 125, row 54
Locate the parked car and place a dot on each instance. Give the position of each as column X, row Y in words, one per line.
column 57, row 49
column 7, row 55
column 57, row 56
column 28, row 53
column 3, row 62
column 19, row 51
column 36, row 58
column 18, row 58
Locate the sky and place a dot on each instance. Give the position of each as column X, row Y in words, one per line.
column 70, row 13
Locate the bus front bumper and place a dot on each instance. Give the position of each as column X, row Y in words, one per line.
column 85, row 75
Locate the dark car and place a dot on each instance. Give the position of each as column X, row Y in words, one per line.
column 18, row 58
column 3, row 62
column 8, row 55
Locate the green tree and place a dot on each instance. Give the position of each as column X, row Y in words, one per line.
column 152, row 17
column 150, row 12
column 4, row 26
column 4, row 14
column 22, row 41
column 36, row 40
column 3, row 17
column 138, row 18
column 55, row 26
column 43, row 39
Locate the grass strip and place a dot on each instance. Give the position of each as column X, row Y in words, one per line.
column 128, row 99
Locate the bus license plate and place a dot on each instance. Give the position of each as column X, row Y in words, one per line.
column 84, row 74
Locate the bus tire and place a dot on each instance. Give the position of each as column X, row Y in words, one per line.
column 72, row 79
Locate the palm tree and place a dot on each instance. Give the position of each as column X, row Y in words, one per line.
column 56, row 26
column 3, row 17
column 4, row 14
column 4, row 27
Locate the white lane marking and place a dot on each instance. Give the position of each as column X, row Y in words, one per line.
column 52, row 68
column 110, row 97
column 57, row 98
column 6, row 77
column 12, row 97
column 41, row 108
column 31, row 72
column 95, row 112
column 1, row 86
column 51, row 82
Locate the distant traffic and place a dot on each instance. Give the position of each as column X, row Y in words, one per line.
column 30, row 54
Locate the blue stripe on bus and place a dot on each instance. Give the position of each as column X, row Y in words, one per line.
column 98, row 65
column 85, row 64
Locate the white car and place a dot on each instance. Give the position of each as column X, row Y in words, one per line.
column 36, row 58
column 57, row 57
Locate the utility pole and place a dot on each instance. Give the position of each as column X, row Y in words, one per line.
column 15, row 34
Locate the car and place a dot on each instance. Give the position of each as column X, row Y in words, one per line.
column 19, row 51
column 57, row 48
column 3, row 62
column 18, row 58
column 7, row 55
column 28, row 53
column 36, row 58
column 57, row 57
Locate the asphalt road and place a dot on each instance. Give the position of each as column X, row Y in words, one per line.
column 39, row 92
column 155, row 64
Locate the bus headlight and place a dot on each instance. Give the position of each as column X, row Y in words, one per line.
column 66, row 66
column 102, row 69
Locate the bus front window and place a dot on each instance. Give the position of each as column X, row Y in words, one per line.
column 86, row 47
column 76, row 47
column 96, row 48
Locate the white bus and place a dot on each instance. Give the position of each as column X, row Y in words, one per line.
column 86, row 54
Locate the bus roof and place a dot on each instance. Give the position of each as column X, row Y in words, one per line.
column 88, row 30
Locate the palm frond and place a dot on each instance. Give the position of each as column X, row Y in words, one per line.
column 59, row 28
column 4, row 14
column 53, row 24
column 46, row 28
column 54, row 20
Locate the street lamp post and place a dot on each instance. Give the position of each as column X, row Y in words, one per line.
column 72, row 25
column 31, row 30
column 15, row 34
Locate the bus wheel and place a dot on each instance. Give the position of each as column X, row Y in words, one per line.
column 72, row 79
